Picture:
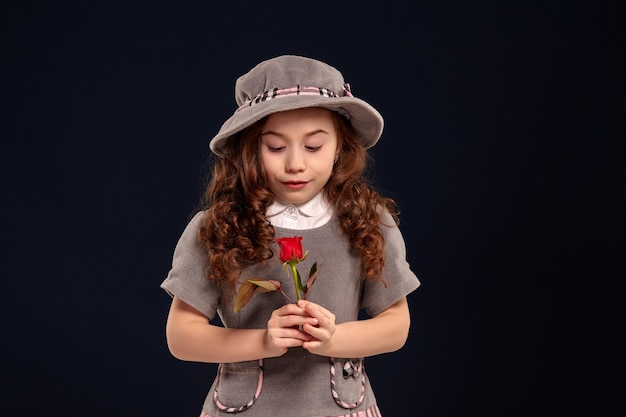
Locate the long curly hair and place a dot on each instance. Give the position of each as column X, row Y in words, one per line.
column 235, row 231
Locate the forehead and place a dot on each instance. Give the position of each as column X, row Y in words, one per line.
column 307, row 118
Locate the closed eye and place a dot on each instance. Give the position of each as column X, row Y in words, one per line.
column 275, row 149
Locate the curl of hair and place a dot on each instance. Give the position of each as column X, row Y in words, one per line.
column 235, row 231
column 357, row 204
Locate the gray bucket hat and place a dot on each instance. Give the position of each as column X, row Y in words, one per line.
column 291, row 82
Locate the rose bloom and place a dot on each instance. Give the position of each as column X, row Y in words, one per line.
column 290, row 248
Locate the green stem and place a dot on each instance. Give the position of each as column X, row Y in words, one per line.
column 296, row 284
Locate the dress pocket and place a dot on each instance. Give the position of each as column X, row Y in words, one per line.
column 238, row 385
column 347, row 382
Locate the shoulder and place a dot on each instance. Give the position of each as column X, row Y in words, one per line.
column 386, row 218
column 197, row 218
column 195, row 221
column 189, row 237
column 390, row 229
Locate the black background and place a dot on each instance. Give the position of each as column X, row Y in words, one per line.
column 503, row 145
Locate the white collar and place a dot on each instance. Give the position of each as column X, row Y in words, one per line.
column 316, row 206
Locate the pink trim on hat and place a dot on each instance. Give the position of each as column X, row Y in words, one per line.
column 294, row 91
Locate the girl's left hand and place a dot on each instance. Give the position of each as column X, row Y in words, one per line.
column 322, row 333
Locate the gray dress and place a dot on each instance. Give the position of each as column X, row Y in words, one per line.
column 298, row 383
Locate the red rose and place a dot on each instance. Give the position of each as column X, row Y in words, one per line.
column 290, row 248
column 290, row 255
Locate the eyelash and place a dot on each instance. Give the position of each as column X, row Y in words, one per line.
column 308, row 148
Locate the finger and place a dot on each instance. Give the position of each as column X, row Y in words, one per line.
column 311, row 345
column 316, row 310
column 315, row 332
column 324, row 317
column 292, row 309
column 289, row 336
column 291, row 321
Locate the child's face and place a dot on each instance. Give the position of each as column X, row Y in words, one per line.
column 298, row 150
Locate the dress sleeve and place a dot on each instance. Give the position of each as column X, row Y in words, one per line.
column 187, row 278
column 397, row 274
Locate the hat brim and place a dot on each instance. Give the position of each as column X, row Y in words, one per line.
column 366, row 120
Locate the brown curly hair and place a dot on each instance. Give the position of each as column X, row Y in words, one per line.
column 235, row 231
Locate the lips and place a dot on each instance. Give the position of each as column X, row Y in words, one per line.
column 295, row 185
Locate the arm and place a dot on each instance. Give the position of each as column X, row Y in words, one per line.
column 191, row 337
column 383, row 333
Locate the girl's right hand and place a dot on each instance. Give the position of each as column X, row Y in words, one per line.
column 283, row 329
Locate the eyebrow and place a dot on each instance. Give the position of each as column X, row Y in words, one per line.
column 314, row 132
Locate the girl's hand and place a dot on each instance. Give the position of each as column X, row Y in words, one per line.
column 283, row 328
column 320, row 333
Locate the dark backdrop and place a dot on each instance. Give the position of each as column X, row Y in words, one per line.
column 504, row 146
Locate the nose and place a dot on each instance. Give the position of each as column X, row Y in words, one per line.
column 295, row 161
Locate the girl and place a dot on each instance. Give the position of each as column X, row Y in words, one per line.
column 291, row 161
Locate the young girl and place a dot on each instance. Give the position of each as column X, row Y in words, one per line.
column 290, row 162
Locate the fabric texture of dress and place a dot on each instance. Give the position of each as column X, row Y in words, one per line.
column 298, row 383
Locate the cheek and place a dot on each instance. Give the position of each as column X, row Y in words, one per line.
column 329, row 162
column 268, row 164
column 324, row 171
